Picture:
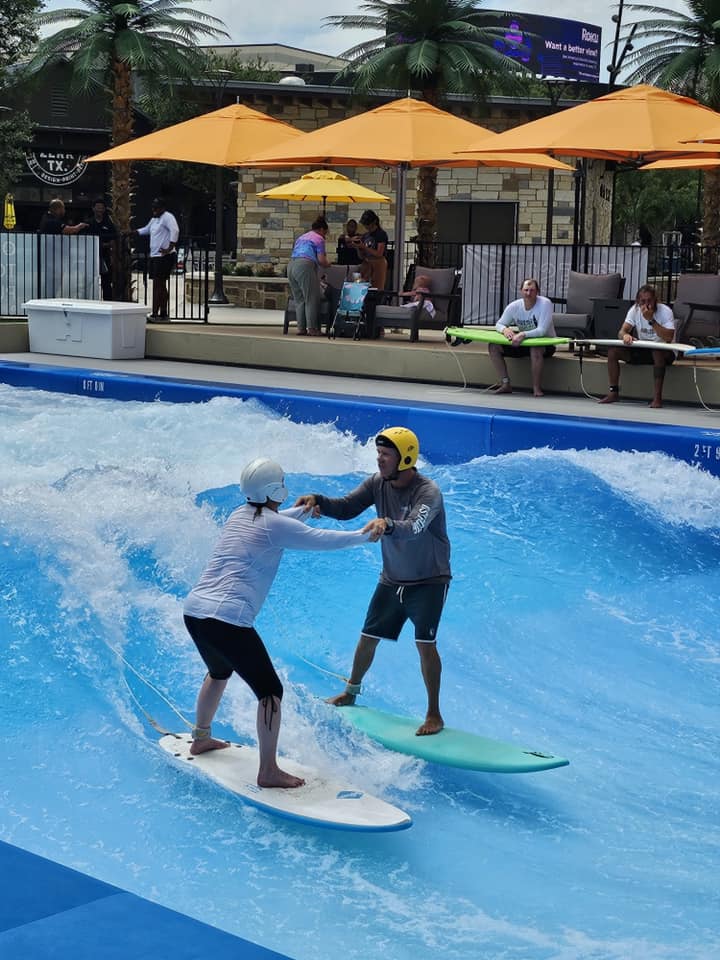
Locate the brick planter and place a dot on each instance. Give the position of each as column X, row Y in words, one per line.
column 256, row 293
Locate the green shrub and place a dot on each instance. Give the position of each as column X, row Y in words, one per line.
column 243, row 270
column 265, row 270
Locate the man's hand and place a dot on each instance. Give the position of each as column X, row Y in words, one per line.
column 376, row 528
column 309, row 502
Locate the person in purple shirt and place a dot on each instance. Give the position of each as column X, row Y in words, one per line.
column 307, row 255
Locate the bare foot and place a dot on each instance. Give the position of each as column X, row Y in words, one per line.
column 278, row 778
column 503, row 388
column 655, row 404
column 610, row 398
column 433, row 724
column 538, row 393
column 209, row 743
column 341, row 700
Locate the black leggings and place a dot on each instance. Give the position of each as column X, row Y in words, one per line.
column 225, row 647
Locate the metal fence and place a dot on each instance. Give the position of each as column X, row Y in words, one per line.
column 492, row 273
column 39, row 266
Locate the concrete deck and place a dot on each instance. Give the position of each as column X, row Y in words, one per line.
column 247, row 348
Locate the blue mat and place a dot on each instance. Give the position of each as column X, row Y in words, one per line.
column 49, row 912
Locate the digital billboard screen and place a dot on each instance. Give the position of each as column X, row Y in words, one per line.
column 548, row 46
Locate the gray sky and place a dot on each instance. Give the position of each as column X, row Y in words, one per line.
column 299, row 23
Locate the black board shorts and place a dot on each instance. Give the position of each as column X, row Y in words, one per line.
column 525, row 351
column 226, row 647
column 391, row 606
column 642, row 355
column 160, row 268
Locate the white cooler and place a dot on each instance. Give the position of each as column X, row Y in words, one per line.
column 87, row 328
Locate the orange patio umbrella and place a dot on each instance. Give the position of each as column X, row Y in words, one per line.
column 684, row 163
column 639, row 124
column 407, row 131
column 222, row 138
column 402, row 134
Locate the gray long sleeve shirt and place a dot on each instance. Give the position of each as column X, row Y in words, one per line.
column 418, row 550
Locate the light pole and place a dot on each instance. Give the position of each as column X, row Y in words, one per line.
column 218, row 294
column 617, row 59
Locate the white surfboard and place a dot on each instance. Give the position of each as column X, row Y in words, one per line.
column 640, row 344
column 320, row 802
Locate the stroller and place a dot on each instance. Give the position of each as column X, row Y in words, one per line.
column 350, row 317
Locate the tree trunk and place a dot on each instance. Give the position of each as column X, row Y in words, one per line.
column 426, row 215
column 426, row 210
column 711, row 208
column 120, row 177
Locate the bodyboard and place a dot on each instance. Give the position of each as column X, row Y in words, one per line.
column 320, row 802
column 452, row 748
column 494, row 336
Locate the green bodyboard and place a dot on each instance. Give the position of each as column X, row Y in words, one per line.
column 452, row 748
column 494, row 336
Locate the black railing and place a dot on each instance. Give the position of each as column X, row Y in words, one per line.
column 189, row 284
column 40, row 266
column 492, row 273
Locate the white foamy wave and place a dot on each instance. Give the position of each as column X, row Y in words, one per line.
column 203, row 444
column 679, row 492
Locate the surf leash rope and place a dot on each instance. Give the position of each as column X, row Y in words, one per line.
column 330, row 673
column 150, row 719
column 697, row 388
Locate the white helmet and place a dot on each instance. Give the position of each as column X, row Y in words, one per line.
column 263, row 480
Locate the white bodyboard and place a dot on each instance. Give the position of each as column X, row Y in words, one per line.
column 637, row 344
column 320, row 802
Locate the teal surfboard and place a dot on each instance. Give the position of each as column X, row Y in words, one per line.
column 452, row 748
column 494, row 336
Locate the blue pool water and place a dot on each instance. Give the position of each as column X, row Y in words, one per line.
column 585, row 626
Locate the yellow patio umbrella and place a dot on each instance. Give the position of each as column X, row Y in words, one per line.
column 9, row 220
column 222, row 138
column 324, row 185
column 639, row 124
column 402, row 134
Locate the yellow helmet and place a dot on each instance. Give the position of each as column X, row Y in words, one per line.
column 404, row 441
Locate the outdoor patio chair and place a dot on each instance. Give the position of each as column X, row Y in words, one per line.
column 582, row 290
column 697, row 309
column 444, row 285
column 335, row 275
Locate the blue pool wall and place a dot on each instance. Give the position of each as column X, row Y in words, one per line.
column 449, row 433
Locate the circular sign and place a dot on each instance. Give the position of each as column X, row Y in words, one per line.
column 57, row 167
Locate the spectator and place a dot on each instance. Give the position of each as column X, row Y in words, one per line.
column 522, row 320
column 646, row 320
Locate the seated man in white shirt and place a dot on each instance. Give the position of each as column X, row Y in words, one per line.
column 522, row 321
column 646, row 320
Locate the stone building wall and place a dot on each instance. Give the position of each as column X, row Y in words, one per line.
column 267, row 228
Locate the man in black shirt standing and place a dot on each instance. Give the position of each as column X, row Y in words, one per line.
column 100, row 225
column 53, row 222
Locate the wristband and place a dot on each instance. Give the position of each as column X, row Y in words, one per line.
column 389, row 527
column 353, row 689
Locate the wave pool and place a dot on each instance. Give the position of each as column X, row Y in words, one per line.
column 582, row 620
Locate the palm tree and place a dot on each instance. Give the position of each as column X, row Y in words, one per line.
column 681, row 53
column 111, row 45
column 434, row 46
